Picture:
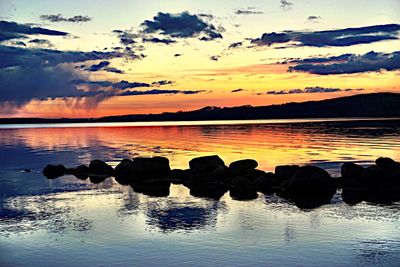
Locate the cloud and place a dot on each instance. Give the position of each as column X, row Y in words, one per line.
column 349, row 63
column 102, row 66
column 313, row 18
column 237, row 90
column 341, row 37
column 181, row 25
column 161, row 92
column 235, row 45
column 178, row 55
column 122, row 85
column 126, row 38
column 60, row 18
column 162, row 82
column 311, row 90
column 33, row 73
column 41, row 42
column 158, row 40
column 248, row 11
column 13, row 30
column 286, row 5
column 215, row 58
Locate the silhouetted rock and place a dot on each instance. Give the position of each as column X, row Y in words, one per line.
column 81, row 172
column 351, row 170
column 206, row 164
column 150, row 168
column 179, row 176
column 266, row 182
column 311, row 187
column 98, row 168
column 53, row 171
column 388, row 165
column 155, row 188
column 242, row 166
column 207, row 190
column 285, row 172
column 372, row 176
column 124, row 172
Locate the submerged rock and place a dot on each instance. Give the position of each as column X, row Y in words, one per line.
column 207, row 190
column 54, row 171
column 155, row 188
column 242, row 189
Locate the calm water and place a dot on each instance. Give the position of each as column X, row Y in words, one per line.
column 68, row 222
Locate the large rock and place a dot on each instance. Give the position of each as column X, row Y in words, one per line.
column 124, row 172
column 373, row 176
column 388, row 165
column 311, row 186
column 98, row 168
column 155, row 189
column 53, row 171
column 351, row 170
column 285, row 172
column 242, row 166
column 206, row 164
column 81, row 172
column 145, row 169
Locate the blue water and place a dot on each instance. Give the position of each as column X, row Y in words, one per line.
column 68, row 222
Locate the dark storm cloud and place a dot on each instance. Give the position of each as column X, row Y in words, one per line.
column 349, row 63
column 126, row 38
column 235, row 45
column 122, row 85
column 160, row 92
column 41, row 42
column 215, row 58
column 61, row 18
column 341, row 37
column 313, row 18
column 158, row 40
column 103, row 66
column 311, row 90
column 13, row 30
column 237, row 90
column 181, row 25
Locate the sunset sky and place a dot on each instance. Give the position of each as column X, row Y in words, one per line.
column 98, row 58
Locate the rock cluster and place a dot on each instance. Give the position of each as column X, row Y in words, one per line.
column 208, row 176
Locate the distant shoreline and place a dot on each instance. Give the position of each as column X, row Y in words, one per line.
column 374, row 105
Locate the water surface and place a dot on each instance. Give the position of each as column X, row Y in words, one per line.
column 48, row 222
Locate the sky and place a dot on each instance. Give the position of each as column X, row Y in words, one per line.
column 101, row 58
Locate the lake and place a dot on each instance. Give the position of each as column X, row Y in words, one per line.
column 69, row 222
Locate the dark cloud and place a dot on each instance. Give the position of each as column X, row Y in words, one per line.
column 61, row 18
column 102, row 66
column 126, row 38
column 311, row 90
column 349, row 63
column 13, row 30
column 249, row 11
column 205, row 15
column 158, row 40
column 313, row 18
column 341, row 37
column 181, row 25
column 237, row 90
column 178, row 55
column 286, row 5
column 162, row 82
column 215, row 58
column 235, row 45
column 122, row 85
column 161, row 92
column 41, row 42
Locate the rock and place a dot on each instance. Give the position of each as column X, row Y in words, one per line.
column 96, row 179
column 311, row 186
column 206, row 164
column 150, row 168
column 124, row 172
column 81, row 172
column 98, row 168
column 179, row 176
column 373, row 175
column 217, row 175
column 388, row 165
column 155, row 189
column 241, row 189
column 207, row 190
column 242, row 166
column 351, row 170
column 285, row 172
column 266, row 183
column 53, row 171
